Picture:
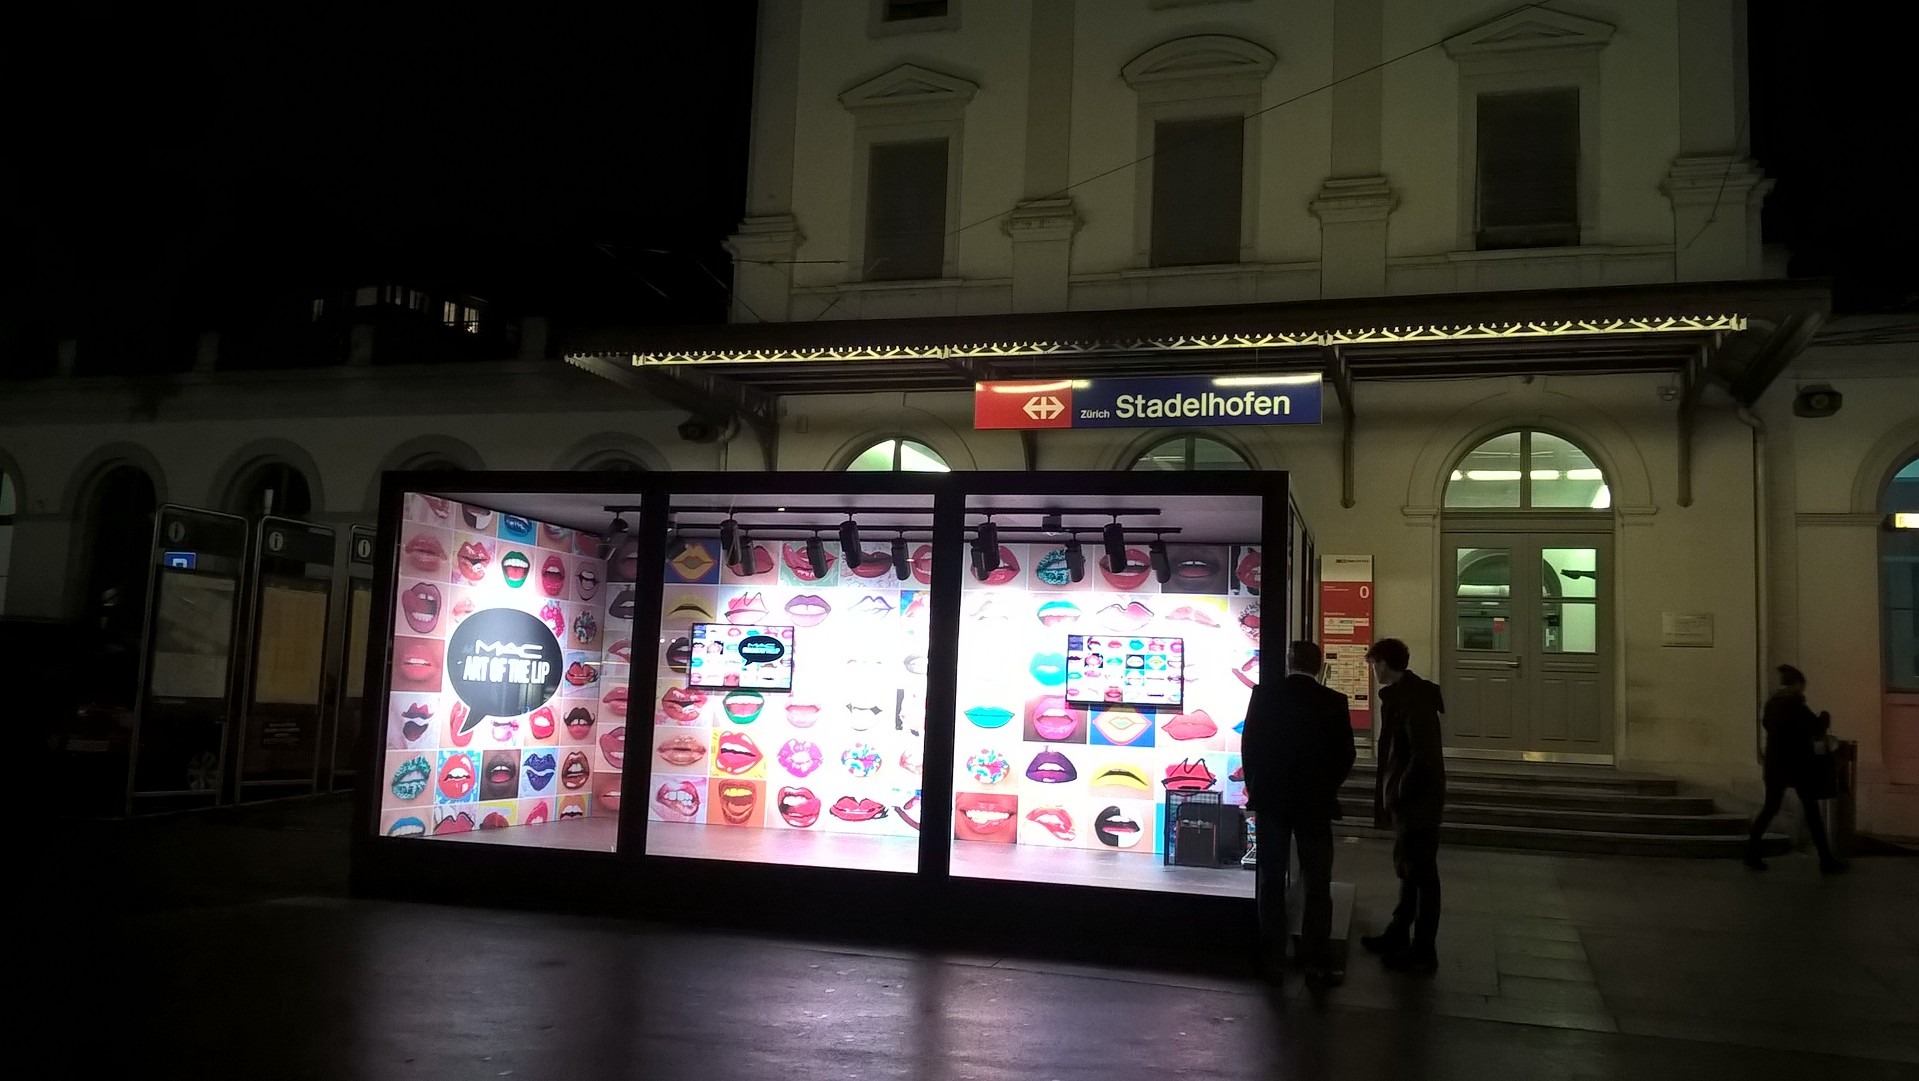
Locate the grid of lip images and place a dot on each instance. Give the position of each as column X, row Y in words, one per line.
column 1083, row 703
column 791, row 700
column 454, row 765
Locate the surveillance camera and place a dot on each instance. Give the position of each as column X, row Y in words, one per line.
column 708, row 430
column 1818, row 400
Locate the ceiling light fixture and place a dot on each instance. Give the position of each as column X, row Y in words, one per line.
column 729, row 535
column 816, row 556
column 1050, row 523
column 1114, row 536
column 618, row 525
column 1075, row 559
column 850, row 542
column 902, row 559
column 1162, row 563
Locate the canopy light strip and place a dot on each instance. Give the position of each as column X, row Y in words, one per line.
column 1308, row 339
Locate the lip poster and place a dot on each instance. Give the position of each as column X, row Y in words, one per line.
column 1084, row 703
column 791, row 700
column 506, row 699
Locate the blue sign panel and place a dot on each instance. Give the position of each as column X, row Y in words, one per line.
column 180, row 561
column 1184, row 401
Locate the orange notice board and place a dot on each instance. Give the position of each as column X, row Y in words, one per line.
column 1346, row 630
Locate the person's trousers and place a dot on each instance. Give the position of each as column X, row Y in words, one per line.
column 1280, row 832
column 1416, row 862
column 1815, row 822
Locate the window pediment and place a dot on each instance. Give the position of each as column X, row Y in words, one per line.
column 1200, row 57
column 1534, row 28
column 909, row 85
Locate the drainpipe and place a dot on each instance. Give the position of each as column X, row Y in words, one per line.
column 1760, row 555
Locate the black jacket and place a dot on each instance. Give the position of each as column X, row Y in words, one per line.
column 1791, row 726
column 1297, row 748
column 1412, row 770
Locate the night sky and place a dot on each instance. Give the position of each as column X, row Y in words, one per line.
column 181, row 169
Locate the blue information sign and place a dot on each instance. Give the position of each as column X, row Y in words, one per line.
column 180, row 561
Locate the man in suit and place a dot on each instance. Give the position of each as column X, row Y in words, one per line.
column 1296, row 752
column 1412, row 797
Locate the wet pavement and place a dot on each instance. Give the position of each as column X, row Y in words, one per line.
column 223, row 946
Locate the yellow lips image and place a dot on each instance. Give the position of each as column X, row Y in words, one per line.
column 1120, row 779
column 693, row 563
column 1121, row 726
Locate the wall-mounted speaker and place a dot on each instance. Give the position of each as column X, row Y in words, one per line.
column 1818, row 400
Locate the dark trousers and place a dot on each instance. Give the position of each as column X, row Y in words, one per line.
column 1280, row 831
column 1776, row 795
column 1416, row 862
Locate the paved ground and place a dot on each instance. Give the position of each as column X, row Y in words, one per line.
column 223, row 948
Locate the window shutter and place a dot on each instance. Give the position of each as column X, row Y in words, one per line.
column 906, row 211
column 1196, row 190
column 1528, row 159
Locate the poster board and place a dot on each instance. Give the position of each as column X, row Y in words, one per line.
column 350, row 698
column 1346, row 631
column 290, row 602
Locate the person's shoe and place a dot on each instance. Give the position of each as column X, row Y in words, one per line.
column 1832, row 867
column 1386, row 943
column 1321, row 977
column 1754, row 863
column 1414, row 960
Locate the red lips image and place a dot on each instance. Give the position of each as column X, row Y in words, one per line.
column 615, row 702
column 874, row 565
column 1137, row 570
column 494, row 820
column 678, row 801
column 457, row 776
column 1007, row 570
column 458, row 822
column 553, row 576
column 1189, row 776
column 802, row 714
column 1248, row 571
column 1248, row 673
column 474, row 557
column 799, row 807
column 575, row 771
column 417, row 664
column 682, row 705
column 620, row 652
column 606, row 789
column 739, row 801
column 456, row 730
column 794, row 556
column 1186, row 613
column 762, row 563
column 909, row 811
column 541, row 723
column 746, row 608
column 1051, row 719
column 735, row 753
column 1195, row 725
column 613, row 747
column 421, row 607
column 923, row 564
column 541, row 814
column 985, row 816
column 1054, row 820
column 848, row 809
column 681, row 750
column 424, row 553
column 579, row 673
column 579, row 722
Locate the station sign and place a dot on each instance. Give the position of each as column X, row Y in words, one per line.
column 1176, row 402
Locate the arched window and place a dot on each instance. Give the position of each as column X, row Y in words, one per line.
column 898, row 456
column 8, row 499
column 1899, row 580
column 270, row 487
column 611, row 461
column 1184, row 453
column 432, row 463
column 1527, row 470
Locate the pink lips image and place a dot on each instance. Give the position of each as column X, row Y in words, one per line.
column 1052, row 718
column 1195, row 725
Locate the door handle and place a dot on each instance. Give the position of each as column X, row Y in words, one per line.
column 1514, row 663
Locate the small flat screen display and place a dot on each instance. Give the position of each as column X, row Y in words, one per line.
column 732, row 655
column 1128, row 670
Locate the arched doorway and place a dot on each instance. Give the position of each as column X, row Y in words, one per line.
column 897, row 456
column 119, row 527
column 1185, row 453
column 1526, row 622
column 1899, row 579
column 270, row 486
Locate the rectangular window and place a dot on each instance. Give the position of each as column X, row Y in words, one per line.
column 366, row 296
column 906, row 211
column 1196, row 190
column 1528, row 163
column 904, row 10
column 319, row 308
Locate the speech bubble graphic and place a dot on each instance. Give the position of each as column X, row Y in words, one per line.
column 502, row 663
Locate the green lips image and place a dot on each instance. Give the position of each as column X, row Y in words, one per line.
column 743, row 706
column 989, row 716
column 514, row 567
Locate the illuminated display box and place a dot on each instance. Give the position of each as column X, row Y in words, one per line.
column 930, row 693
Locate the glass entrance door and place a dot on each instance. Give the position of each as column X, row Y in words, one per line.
column 1527, row 670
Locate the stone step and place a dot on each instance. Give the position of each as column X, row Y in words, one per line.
column 1358, row 793
column 1710, row 824
column 1588, row 843
column 1545, row 775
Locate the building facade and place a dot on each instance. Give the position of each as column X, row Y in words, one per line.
column 1521, row 246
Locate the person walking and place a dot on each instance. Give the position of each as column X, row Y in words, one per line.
column 1791, row 762
column 1296, row 751
column 1411, row 795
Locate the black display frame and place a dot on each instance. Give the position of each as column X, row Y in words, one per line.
column 933, row 906
column 294, row 555
column 342, row 761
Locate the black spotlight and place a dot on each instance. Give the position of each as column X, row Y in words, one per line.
column 816, row 556
column 746, row 562
column 1075, row 560
column 618, row 525
column 676, row 546
column 1162, row 564
column 729, row 535
column 902, row 559
column 850, row 542
column 986, row 550
column 1115, row 537
column 976, row 557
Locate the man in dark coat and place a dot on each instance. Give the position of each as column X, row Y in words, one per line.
column 1297, row 751
column 1791, row 728
column 1411, row 795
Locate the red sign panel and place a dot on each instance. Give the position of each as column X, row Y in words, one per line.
column 1023, row 404
column 1346, row 631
